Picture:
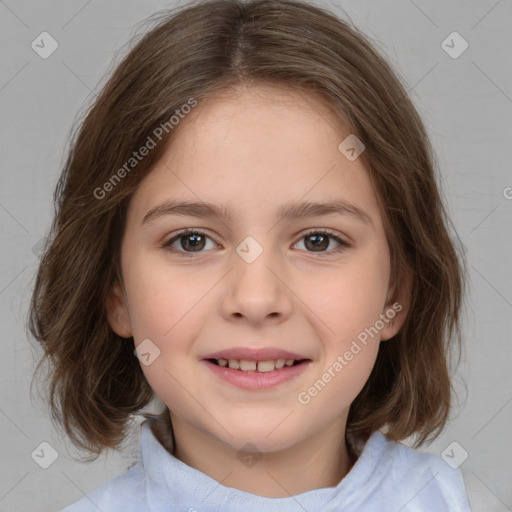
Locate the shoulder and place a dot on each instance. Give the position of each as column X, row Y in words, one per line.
column 123, row 492
column 416, row 480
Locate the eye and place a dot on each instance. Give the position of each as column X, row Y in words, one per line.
column 319, row 240
column 188, row 241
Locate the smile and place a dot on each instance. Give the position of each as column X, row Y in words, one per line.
column 259, row 366
column 256, row 375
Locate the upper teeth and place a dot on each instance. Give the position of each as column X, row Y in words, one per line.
column 262, row 366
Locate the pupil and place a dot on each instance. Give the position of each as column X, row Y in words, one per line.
column 317, row 238
column 195, row 244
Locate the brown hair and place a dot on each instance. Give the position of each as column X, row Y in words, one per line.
column 96, row 382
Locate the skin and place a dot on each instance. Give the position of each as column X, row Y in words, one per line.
column 254, row 149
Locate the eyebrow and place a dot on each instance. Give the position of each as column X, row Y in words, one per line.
column 286, row 211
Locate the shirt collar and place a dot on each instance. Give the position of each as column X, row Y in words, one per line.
column 170, row 482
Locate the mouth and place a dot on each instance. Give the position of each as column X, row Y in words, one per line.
column 245, row 365
column 257, row 375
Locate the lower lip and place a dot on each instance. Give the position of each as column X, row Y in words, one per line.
column 257, row 380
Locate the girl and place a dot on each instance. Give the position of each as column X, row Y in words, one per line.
column 249, row 228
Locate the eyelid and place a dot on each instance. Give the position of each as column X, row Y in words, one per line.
column 175, row 235
column 335, row 234
column 186, row 231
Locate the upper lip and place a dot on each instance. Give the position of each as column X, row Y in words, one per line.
column 255, row 354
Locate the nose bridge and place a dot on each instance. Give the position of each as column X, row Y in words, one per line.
column 256, row 287
column 253, row 261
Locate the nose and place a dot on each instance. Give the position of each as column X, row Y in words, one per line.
column 257, row 291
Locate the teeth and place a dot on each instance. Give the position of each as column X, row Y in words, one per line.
column 247, row 365
column 266, row 366
column 260, row 366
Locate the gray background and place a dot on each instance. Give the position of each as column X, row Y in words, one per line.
column 467, row 106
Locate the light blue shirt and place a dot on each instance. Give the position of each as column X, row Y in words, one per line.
column 387, row 477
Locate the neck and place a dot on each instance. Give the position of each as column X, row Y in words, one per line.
column 321, row 461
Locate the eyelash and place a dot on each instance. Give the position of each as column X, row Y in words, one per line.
column 188, row 231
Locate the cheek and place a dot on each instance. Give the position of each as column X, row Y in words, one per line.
column 159, row 298
column 170, row 317
column 349, row 306
column 343, row 376
column 355, row 373
column 351, row 300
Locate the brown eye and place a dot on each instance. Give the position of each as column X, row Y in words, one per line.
column 188, row 241
column 319, row 241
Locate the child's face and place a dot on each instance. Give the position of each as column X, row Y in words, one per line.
column 252, row 154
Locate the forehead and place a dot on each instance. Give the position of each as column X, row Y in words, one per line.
column 258, row 148
column 243, row 112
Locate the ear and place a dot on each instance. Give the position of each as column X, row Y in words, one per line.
column 117, row 311
column 398, row 302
